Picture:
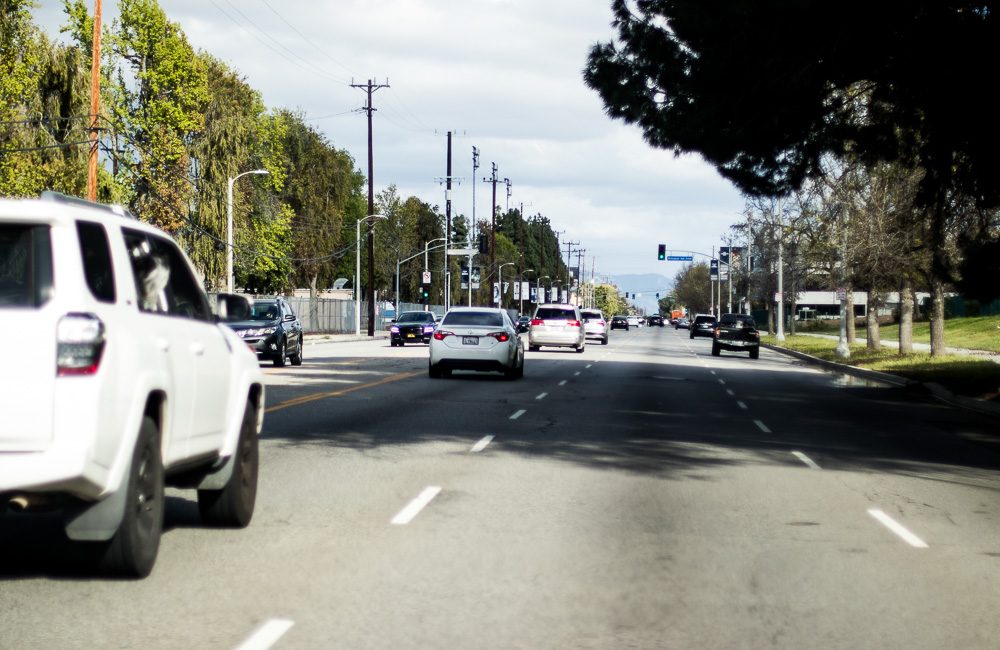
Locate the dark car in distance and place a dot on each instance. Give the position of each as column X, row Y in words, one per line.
column 412, row 327
column 736, row 333
column 272, row 330
column 654, row 320
column 619, row 323
column 703, row 325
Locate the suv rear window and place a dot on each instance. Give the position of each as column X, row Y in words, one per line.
column 555, row 313
column 705, row 319
column 25, row 265
column 589, row 314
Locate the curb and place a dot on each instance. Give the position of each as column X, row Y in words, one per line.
column 938, row 391
column 341, row 338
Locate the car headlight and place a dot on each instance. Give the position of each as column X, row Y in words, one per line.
column 394, row 329
column 263, row 331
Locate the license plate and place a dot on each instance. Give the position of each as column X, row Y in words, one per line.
column 411, row 336
column 470, row 340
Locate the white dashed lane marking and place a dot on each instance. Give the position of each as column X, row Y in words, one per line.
column 414, row 507
column 518, row 414
column 762, row 426
column 481, row 445
column 267, row 634
column 897, row 528
column 805, row 459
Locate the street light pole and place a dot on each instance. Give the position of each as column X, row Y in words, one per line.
column 500, row 279
column 229, row 226
column 357, row 271
column 520, row 290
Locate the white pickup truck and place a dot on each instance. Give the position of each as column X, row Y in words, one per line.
column 120, row 380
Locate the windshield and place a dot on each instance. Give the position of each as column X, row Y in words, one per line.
column 482, row 318
column 416, row 317
column 264, row 311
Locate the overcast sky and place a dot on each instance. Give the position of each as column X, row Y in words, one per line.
column 505, row 76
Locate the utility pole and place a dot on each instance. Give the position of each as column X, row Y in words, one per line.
column 579, row 273
column 472, row 230
column 508, row 184
column 95, row 103
column 370, row 88
column 493, row 180
column 569, row 271
column 447, row 232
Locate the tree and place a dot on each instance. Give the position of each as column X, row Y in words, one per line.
column 692, row 287
column 607, row 299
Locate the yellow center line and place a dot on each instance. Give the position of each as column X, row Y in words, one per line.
column 305, row 399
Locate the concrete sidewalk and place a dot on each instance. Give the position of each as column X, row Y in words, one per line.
column 921, row 347
column 312, row 339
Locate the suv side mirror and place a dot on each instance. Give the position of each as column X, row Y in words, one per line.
column 289, row 317
column 230, row 307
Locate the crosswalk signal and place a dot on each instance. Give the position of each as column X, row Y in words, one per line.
column 661, row 253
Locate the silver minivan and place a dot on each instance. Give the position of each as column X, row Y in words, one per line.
column 557, row 325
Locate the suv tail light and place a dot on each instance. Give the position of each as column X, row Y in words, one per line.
column 572, row 323
column 537, row 321
column 440, row 335
column 79, row 344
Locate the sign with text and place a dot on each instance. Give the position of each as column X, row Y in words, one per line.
column 713, row 270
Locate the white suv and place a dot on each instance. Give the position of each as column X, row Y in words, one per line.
column 122, row 380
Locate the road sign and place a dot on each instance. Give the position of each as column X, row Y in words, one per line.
column 680, row 258
column 713, row 270
column 427, row 277
column 465, row 252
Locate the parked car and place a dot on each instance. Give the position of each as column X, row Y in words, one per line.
column 412, row 327
column 131, row 382
column 476, row 338
column 682, row 323
column 557, row 325
column 272, row 331
column 703, row 325
column 619, row 323
column 736, row 332
column 595, row 326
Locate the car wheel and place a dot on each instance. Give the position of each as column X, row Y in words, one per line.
column 692, row 335
column 233, row 505
column 296, row 358
column 533, row 348
column 754, row 353
column 433, row 371
column 716, row 351
column 604, row 341
column 279, row 359
column 520, row 368
column 579, row 348
column 133, row 549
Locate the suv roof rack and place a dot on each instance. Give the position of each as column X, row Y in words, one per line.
column 58, row 197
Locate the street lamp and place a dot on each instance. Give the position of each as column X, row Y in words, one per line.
column 520, row 290
column 229, row 225
column 500, row 279
column 538, row 288
column 357, row 271
column 426, row 260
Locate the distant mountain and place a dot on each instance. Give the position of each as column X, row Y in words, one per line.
column 646, row 284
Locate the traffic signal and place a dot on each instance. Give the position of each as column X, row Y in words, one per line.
column 425, row 293
column 661, row 253
column 657, row 296
column 483, row 244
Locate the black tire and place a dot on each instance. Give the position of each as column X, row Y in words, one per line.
column 233, row 505
column 754, row 353
column 604, row 341
column 520, row 368
column 716, row 351
column 133, row 549
column 692, row 335
column 433, row 371
column 279, row 359
column 533, row 348
column 296, row 358
column 580, row 348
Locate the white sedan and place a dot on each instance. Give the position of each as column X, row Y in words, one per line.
column 476, row 338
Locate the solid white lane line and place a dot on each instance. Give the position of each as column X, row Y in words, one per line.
column 267, row 634
column 741, row 405
column 805, row 459
column 562, row 383
column 414, row 507
column 730, row 392
column 541, row 396
column 481, row 445
column 762, row 426
column 897, row 528
column 518, row 414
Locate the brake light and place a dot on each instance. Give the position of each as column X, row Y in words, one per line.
column 537, row 321
column 601, row 323
column 440, row 335
column 79, row 344
column 503, row 337
column 573, row 323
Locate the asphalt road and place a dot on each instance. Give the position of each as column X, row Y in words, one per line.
column 643, row 494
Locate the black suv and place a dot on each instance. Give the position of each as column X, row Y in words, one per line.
column 654, row 320
column 619, row 323
column 703, row 325
column 273, row 331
